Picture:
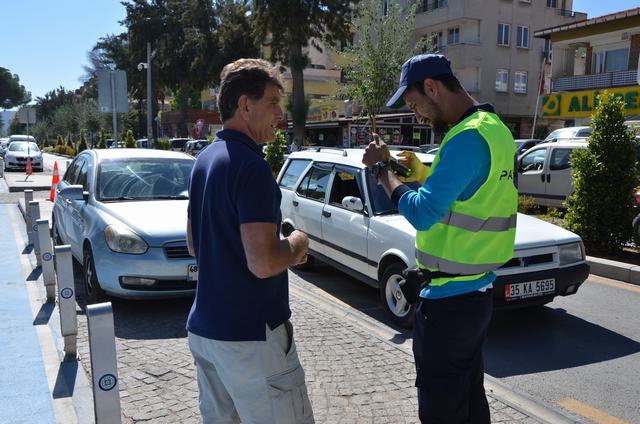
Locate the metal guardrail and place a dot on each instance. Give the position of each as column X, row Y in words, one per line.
column 602, row 80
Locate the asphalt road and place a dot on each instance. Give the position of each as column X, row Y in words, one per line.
column 580, row 353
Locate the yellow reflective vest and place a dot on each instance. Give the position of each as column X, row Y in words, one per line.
column 476, row 235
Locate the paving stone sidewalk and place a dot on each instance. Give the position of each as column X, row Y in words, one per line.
column 353, row 376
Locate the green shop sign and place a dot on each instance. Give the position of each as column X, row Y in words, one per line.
column 581, row 104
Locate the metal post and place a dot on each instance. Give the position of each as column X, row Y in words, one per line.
column 104, row 367
column 1, row 167
column 67, row 300
column 34, row 213
column 28, row 198
column 149, row 96
column 46, row 255
column 113, row 107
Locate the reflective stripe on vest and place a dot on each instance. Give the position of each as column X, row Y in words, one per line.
column 434, row 263
column 471, row 223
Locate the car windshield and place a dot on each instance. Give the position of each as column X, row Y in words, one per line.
column 143, row 179
column 19, row 146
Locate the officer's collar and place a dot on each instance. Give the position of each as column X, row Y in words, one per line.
column 234, row 135
column 487, row 107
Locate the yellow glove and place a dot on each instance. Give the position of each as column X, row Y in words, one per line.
column 419, row 171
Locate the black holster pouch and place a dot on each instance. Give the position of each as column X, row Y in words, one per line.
column 415, row 279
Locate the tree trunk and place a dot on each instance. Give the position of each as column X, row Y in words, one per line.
column 297, row 64
column 184, row 105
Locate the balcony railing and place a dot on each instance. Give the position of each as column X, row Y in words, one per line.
column 603, row 80
column 431, row 5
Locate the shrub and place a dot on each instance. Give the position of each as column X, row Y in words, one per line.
column 102, row 144
column 274, row 152
column 69, row 142
column 527, row 205
column 48, row 149
column 129, row 140
column 162, row 144
column 604, row 177
column 82, row 144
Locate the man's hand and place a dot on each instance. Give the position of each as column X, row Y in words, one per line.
column 376, row 151
column 419, row 171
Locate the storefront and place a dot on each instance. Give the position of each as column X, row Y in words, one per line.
column 580, row 105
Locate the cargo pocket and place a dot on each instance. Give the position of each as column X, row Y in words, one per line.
column 289, row 397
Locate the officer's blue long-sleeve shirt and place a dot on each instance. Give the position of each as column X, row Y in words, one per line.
column 463, row 167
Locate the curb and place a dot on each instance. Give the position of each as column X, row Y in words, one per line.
column 498, row 390
column 615, row 270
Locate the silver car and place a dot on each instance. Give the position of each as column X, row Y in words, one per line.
column 17, row 153
column 124, row 213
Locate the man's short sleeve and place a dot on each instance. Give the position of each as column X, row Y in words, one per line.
column 257, row 196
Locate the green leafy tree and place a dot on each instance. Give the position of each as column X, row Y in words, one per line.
column 69, row 142
column 66, row 119
column 12, row 93
column 47, row 105
column 102, row 143
column 129, row 140
column 274, row 152
column 15, row 127
column 289, row 27
column 604, row 177
column 42, row 131
column 233, row 28
column 383, row 45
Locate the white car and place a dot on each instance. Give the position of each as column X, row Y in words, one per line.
column 351, row 223
column 568, row 132
column 544, row 172
column 17, row 153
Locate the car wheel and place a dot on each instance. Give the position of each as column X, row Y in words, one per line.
column 95, row 294
column 392, row 298
column 307, row 266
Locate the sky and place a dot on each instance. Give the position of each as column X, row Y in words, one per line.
column 45, row 42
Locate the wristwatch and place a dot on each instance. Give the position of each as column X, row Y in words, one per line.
column 378, row 167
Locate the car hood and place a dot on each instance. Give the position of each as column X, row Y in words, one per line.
column 156, row 221
column 530, row 232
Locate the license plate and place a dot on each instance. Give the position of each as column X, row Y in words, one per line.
column 529, row 289
column 192, row 273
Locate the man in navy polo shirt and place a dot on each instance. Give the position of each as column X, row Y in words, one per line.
column 239, row 330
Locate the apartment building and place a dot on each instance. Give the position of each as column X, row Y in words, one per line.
column 492, row 49
column 590, row 56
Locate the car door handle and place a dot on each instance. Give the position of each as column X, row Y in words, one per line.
column 295, row 202
column 549, row 177
column 542, row 177
column 326, row 214
column 68, row 201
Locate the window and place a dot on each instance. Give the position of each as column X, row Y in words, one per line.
column 72, row 171
column 520, row 82
column 385, row 7
column 504, row 31
column 552, row 3
column 437, row 40
column 598, row 63
column 548, row 49
column 502, row 80
column 522, row 37
column 453, row 36
column 345, row 183
column 82, row 177
column 533, row 161
column 293, row 172
column 560, row 159
column 616, row 60
column 315, row 182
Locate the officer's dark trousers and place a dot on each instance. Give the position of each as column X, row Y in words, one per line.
column 448, row 338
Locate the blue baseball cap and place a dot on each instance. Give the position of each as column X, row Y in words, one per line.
column 417, row 69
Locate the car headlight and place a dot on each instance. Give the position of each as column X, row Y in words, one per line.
column 570, row 253
column 123, row 240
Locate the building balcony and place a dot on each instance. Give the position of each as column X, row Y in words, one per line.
column 589, row 82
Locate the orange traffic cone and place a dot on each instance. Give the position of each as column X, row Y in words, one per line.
column 29, row 169
column 54, row 182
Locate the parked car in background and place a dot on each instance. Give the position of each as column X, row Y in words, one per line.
column 524, row 144
column 124, row 214
column 118, row 145
column 353, row 226
column 21, row 137
column 568, row 132
column 142, row 143
column 544, row 172
column 17, row 153
column 178, row 144
column 193, row 147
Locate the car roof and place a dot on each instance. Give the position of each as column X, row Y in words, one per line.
column 350, row 157
column 123, row 153
column 565, row 142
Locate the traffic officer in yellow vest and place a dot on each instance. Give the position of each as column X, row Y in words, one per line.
column 465, row 219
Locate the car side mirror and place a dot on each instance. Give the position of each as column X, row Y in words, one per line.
column 353, row 203
column 73, row 192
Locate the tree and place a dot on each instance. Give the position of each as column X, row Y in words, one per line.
column 66, row 119
column 233, row 28
column 383, row 45
column 274, row 152
column 82, row 143
column 604, row 177
column 47, row 105
column 289, row 27
column 102, row 143
column 129, row 141
column 12, row 93
column 185, row 42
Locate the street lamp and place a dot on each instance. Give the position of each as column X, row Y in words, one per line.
column 147, row 65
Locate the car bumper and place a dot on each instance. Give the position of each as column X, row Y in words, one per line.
column 115, row 270
column 567, row 282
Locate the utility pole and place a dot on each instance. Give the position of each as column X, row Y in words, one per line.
column 150, row 142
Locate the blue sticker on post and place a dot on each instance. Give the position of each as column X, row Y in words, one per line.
column 47, row 256
column 107, row 382
column 66, row 293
